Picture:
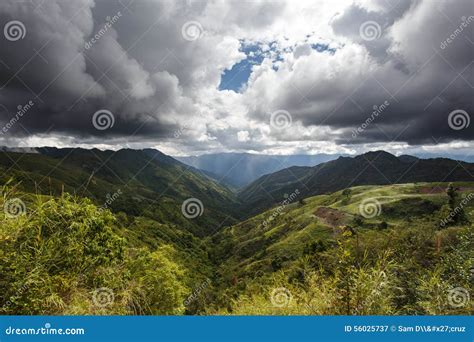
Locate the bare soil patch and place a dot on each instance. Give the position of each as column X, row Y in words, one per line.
column 331, row 217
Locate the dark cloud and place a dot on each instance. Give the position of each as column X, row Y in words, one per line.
column 406, row 65
column 130, row 57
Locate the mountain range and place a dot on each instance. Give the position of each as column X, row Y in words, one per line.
column 240, row 169
column 151, row 176
column 150, row 182
column 304, row 230
column 372, row 168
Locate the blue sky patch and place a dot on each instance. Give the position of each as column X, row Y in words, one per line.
column 323, row 47
column 236, row 77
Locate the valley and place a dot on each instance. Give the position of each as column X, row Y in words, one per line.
column 103, row 232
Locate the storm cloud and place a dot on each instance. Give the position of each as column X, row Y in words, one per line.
column 347, row 75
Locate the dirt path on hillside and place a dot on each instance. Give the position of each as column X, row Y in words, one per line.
column 331, row 217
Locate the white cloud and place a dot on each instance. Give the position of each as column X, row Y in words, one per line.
column 156, row 82
column 243, row 136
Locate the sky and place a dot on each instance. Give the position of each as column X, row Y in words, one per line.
column 270, row 77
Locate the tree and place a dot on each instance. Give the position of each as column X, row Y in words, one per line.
column 156, row 283
column 451, row 192
column 457, row 214
column 347, row 195
column 358, row 221
column 347, row 192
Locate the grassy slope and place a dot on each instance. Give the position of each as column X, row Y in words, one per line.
column 151, row 183
column 250, row 248
column 372, row 168
column 148, row 211
column 250, row 253
column 185, row 251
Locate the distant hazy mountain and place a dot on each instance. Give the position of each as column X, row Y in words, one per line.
column 240, row 169
column 455, row 156
column 19, row 149
column 372, row 168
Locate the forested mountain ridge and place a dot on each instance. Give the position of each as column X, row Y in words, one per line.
column 83, row 232
column 372, row 168
column 151, row 183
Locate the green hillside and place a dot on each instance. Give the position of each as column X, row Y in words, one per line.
column 65, row 255
column 75, row 239
column 372, row 168
column 329, row 257
column 91, row 220
column 144, row 182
